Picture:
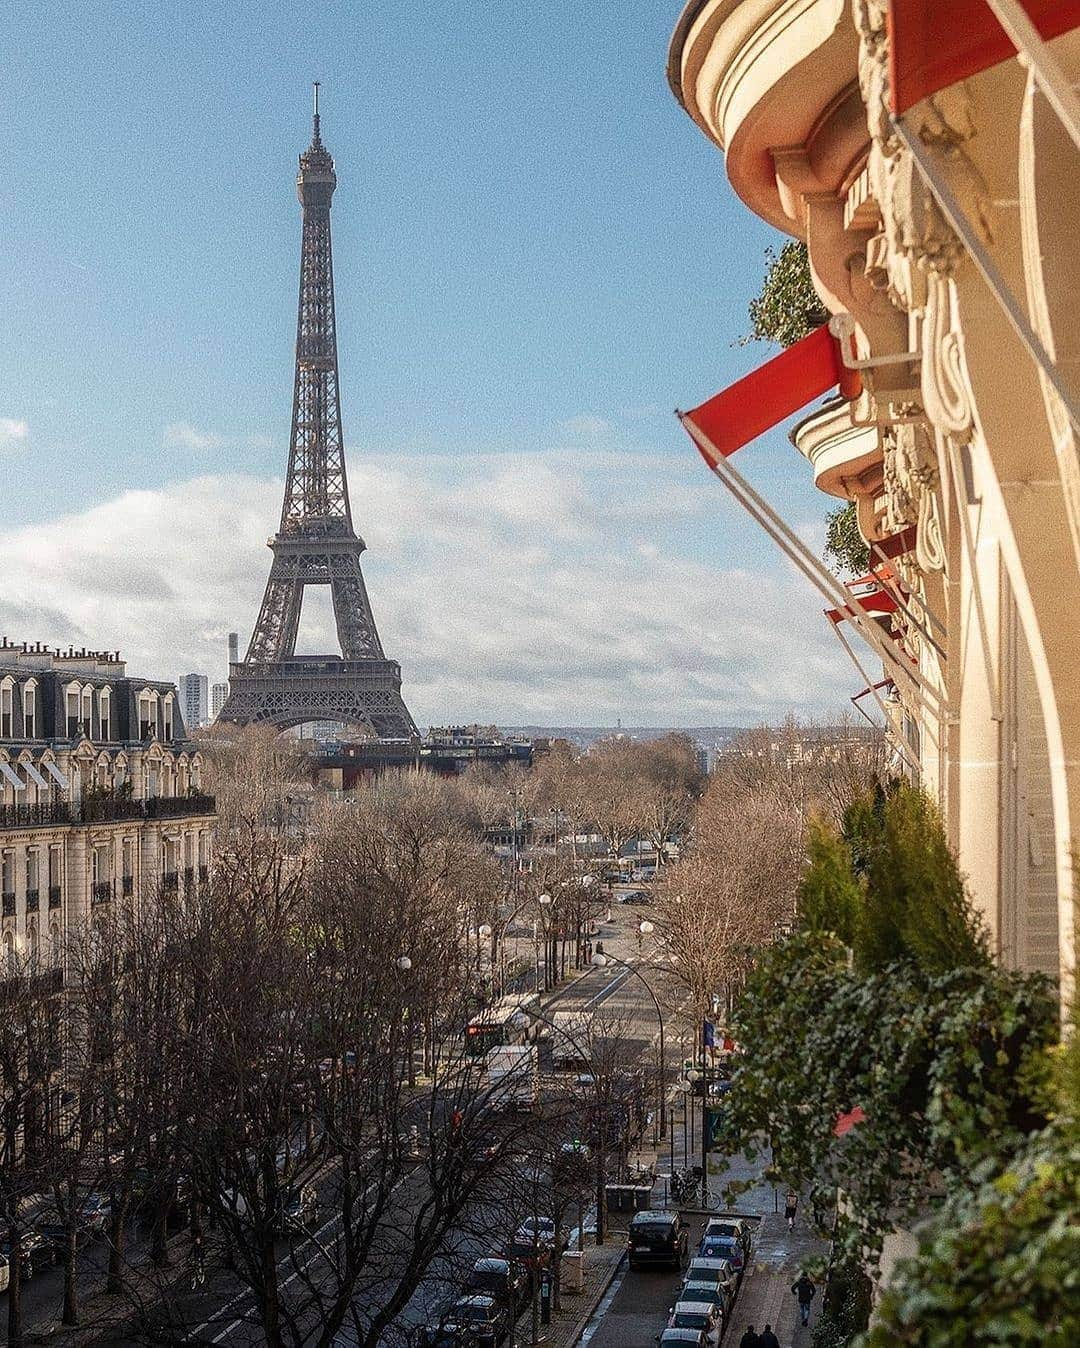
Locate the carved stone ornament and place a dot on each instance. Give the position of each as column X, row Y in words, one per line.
column 911, row 483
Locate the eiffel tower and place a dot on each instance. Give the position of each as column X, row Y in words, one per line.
column 315, row 543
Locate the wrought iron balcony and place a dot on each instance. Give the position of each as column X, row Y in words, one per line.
column 54, row 896
column 32, row 900
column 101, row 891
column 103, row 809
column 8, row 899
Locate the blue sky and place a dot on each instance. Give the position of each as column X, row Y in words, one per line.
column 537, row 257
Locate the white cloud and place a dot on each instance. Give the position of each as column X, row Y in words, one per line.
column 12, row 432
column 512, row 588
column 183, row 435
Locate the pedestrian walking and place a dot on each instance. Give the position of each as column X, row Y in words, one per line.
column 767, row 1339
column 805, row 1290
column 750, row 1339
column 198, row 1259
column 791, row 1206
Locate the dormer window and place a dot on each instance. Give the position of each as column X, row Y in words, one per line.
column 104, row 719
column 71, row 708
column 30, row 711
column 146, row 715
column 87, row 712
column 168, row 718
column 7, row 689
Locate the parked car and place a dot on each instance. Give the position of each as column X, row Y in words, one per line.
column 536, row 1231
column 729, row 1228
column 55, row 1234
column 634, row 896
column 703, row 1315
column 684, row 1336
column 709, row 1294
column 504, row 1279
column 531, row 1257
column 36, row 1253
column 95, row 1211
column 299, row 1211
column 484, row 1317
column 724, row 1247
column 657, row 1238
column 705, row 1268
column 443, row 1336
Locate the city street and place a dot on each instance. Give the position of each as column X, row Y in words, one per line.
column 222, row 1311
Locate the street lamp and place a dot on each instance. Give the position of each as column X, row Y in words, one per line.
column 600, row 960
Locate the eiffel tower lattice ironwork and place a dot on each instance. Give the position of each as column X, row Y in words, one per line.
column 316, row 543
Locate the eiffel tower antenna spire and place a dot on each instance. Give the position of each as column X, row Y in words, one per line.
column 316, row 543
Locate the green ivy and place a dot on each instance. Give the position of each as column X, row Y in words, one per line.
column 788, row 307
column 845, row 547
column 1000, row 1265
column 885, row 998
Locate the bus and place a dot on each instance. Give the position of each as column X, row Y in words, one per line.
column 510, row 1020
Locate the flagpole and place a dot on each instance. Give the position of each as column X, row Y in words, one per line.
column 797, row 551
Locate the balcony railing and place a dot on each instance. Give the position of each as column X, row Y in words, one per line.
column 8, row 900
column 101, row 891
column 102, row 810
column 54, row 896
column 32, row 900
column 45, row 984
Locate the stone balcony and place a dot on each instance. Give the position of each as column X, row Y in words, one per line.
column 846, row 458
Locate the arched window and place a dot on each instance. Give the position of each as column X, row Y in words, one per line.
column 54, row 942
column 9, row 953
column 104, row 716
column 32, row 950
column 167, row 732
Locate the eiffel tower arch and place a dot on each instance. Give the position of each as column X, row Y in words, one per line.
column 316, row 543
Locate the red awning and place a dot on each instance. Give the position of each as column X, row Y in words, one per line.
column 873, row 688
column 935, row 43
column 896, row 545
column 877, row 602
column 773, row 392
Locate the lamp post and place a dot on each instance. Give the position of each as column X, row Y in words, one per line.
column 601, row 961
column 545, row 901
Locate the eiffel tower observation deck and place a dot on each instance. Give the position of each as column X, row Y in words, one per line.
column 316, row 543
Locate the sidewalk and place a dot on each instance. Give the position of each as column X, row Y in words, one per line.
column 766, row 1296
column 602, row 1264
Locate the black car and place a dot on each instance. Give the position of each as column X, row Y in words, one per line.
column 36, row 1253
column 483, row 1316
column 657, row 1238
column 504, row 1279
